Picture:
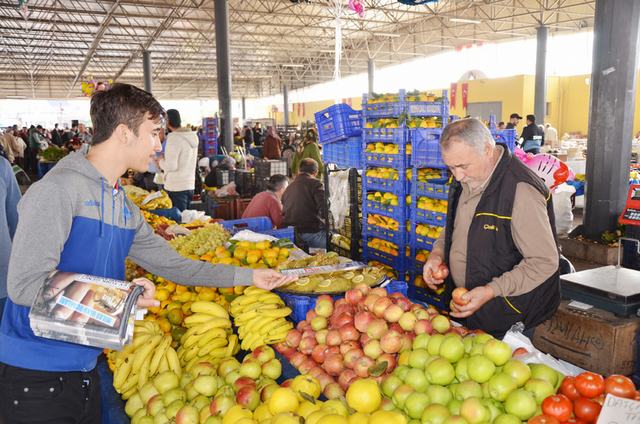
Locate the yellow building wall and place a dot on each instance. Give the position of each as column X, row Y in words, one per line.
column 568, row 99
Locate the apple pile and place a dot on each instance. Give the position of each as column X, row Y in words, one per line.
column 469, row 379
column 358, row 336
column 580, row 398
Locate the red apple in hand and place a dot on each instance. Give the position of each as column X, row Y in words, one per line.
column 457, row 294
column 441, row 273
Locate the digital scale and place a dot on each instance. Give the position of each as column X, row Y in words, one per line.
column 613, row 288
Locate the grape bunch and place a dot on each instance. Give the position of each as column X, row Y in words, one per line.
column 200, row 241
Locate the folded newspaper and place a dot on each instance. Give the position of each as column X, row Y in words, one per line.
column 85, row 309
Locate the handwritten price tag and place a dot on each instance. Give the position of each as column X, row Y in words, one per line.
column 618, row 410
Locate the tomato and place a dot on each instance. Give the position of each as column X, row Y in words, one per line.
column 568, row 388
column 590, row 384
column 574, row 420
column 543, row 419
column 619, row 385
column 637, row 395
column 586, row 409
column 558, row 406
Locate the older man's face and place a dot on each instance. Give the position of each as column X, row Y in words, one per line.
column 467, row 164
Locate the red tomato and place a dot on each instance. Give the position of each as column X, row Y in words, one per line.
column 637, row 395
column 590, row 384
column 619, row 385
column 558, row 406
column 574, row 420
column 586, row 409
column 568, row 388
column 543, row 419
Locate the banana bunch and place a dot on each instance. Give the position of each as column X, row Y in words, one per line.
column 260, row 317
column 209, row 336
column 149, row 353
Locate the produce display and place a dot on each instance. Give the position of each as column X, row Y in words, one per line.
column 383, row 173
column 383, row 222
column 387, row 148
column 385, row 199
column 434, row 205
column 384, row 246
column 200, row 241
column 429, row 231
column 53, row 153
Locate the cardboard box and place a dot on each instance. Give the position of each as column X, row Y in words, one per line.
column 594, row 339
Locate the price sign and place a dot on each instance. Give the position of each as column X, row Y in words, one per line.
column 618, row 410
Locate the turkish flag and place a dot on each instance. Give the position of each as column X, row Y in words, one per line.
column 465, row 94
column 454, row 93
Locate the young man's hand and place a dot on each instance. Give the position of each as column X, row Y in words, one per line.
column 147, row 299
column 269, row 279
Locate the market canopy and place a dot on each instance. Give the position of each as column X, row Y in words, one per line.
column 49, row 47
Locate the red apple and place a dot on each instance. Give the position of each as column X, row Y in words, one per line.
column 364, row 338
column 319, row 353
column 333, row 364
column 267, row 391
column 309, row 333
column 380, row 291
column 307, row 344
column 325, row 379
column 408, row 321
column 293, row 338
column 243, row 382
column 362, row 321
column 423, row 326
column 333, row 350
column 352, row 356
column 348, row 333
column 316, row 372
column 319, row 323
column 311, row 314
column 349, row 345
column 307, row 366
column 380, row 306
column 303, row 326
column 363, row 288
column 362, row 366
column 391, row 342
column 287, row 382
column 377, row 328
column 248, row 397
column 393, row 313
column 341, row 320
column 372, row 349
column 390, row 359
column 354, row 296
column 333, row 391
column 394, row 326
column 346, row 378
column 341, row 302
column 421, row 313
column 457, row 294
column 297, row 359
column 407, row 341
column 370, row 300
column 333, row 338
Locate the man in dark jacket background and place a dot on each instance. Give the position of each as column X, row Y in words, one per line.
column 303, row 205
column 532, row 136
column 499, row 241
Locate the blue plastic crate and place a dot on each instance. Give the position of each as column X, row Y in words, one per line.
column 399, row 161
column 383, row 109
column 301, row 304
column 417, row 109
column 398, row 237
column 398, row 213
column 338, row 122
column 385, row 135
column 425, row 144
column 430, row 217
column 346, row 153
column 281, row 233
column 258, row 225
column 422, row 295
column 398, row 187
column 507, row 137
column 398, row 263
column 423, row 243
column 435, row 189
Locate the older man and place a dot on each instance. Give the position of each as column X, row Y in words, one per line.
column 499, row 241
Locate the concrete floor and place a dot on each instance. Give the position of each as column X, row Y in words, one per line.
column 579, row 264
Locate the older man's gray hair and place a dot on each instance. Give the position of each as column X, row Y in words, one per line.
column 470, row 131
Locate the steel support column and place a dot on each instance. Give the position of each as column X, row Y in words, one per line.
column 244, row 109
column 146, row 70
column 224, row 71
column 613, row 89
column 370, row 72
column 285, row 94
column 540, row 98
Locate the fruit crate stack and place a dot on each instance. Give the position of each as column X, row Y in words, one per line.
column 210, row 134
column 265, row 169
column 346, row 240
column 339, row 134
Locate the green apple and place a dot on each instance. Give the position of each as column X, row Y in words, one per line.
column 173, row 395
column 454, row 406
column 455, row 419
column 494, row 407
column 481, row 339
column 468, row 343
column 540, row 389
column 390, row 384
column 500, row 385
column 498, row 351
column 452, row 349
column 434, row 344
column 474, row 411
column 440, row 371
column 435, row 414
column 480, row 368
column 401, row 372
column 417, row 379
column 173, row 408
column 418, row 358
column 401, row 394
column 521, row 403
column 518, row 370
column 439, row 394
column 421, row 341
column 468, row 389
column 507, row 419
column 544, row 372
column 415, row 404
column 206, row 385
column 461, row 370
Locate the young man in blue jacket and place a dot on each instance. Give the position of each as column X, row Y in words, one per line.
column 78, row 219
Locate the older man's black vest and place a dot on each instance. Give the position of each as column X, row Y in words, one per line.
column 491, row 251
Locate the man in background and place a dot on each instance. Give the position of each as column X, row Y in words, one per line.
column 513, row 121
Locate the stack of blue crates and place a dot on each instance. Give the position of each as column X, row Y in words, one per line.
column 403, row 134
column 339, row 133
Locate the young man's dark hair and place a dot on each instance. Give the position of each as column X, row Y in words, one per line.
column 276, row 182
column 531, row 118
column 309, row 166
column 173, row 118
column 122, row 104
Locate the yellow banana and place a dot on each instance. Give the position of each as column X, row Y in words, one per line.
column 215, row 344
column 158, row 354
column 278, row 328
column 131, row 382
column 233, row 343
column 142, row 353
column 210, row 308
column 143, row 373
column 121, row 373
column 126, row 395
column 190, row 354
column 212, row 335
column 139, row 341
column 258, row 325
column 198, row 318
column 218, row 353
column 164, row 363
column 253, row 289
column 282, row 313
column 214, row 323
column 174, row 362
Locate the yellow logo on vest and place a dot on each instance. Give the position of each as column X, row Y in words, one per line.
column 490, row 227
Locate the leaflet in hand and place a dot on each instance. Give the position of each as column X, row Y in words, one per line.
column 85, row 309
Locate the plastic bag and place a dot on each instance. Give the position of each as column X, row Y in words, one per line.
column 227, row 190
column 189, row 215
column 562, row 208
column 339, row 196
